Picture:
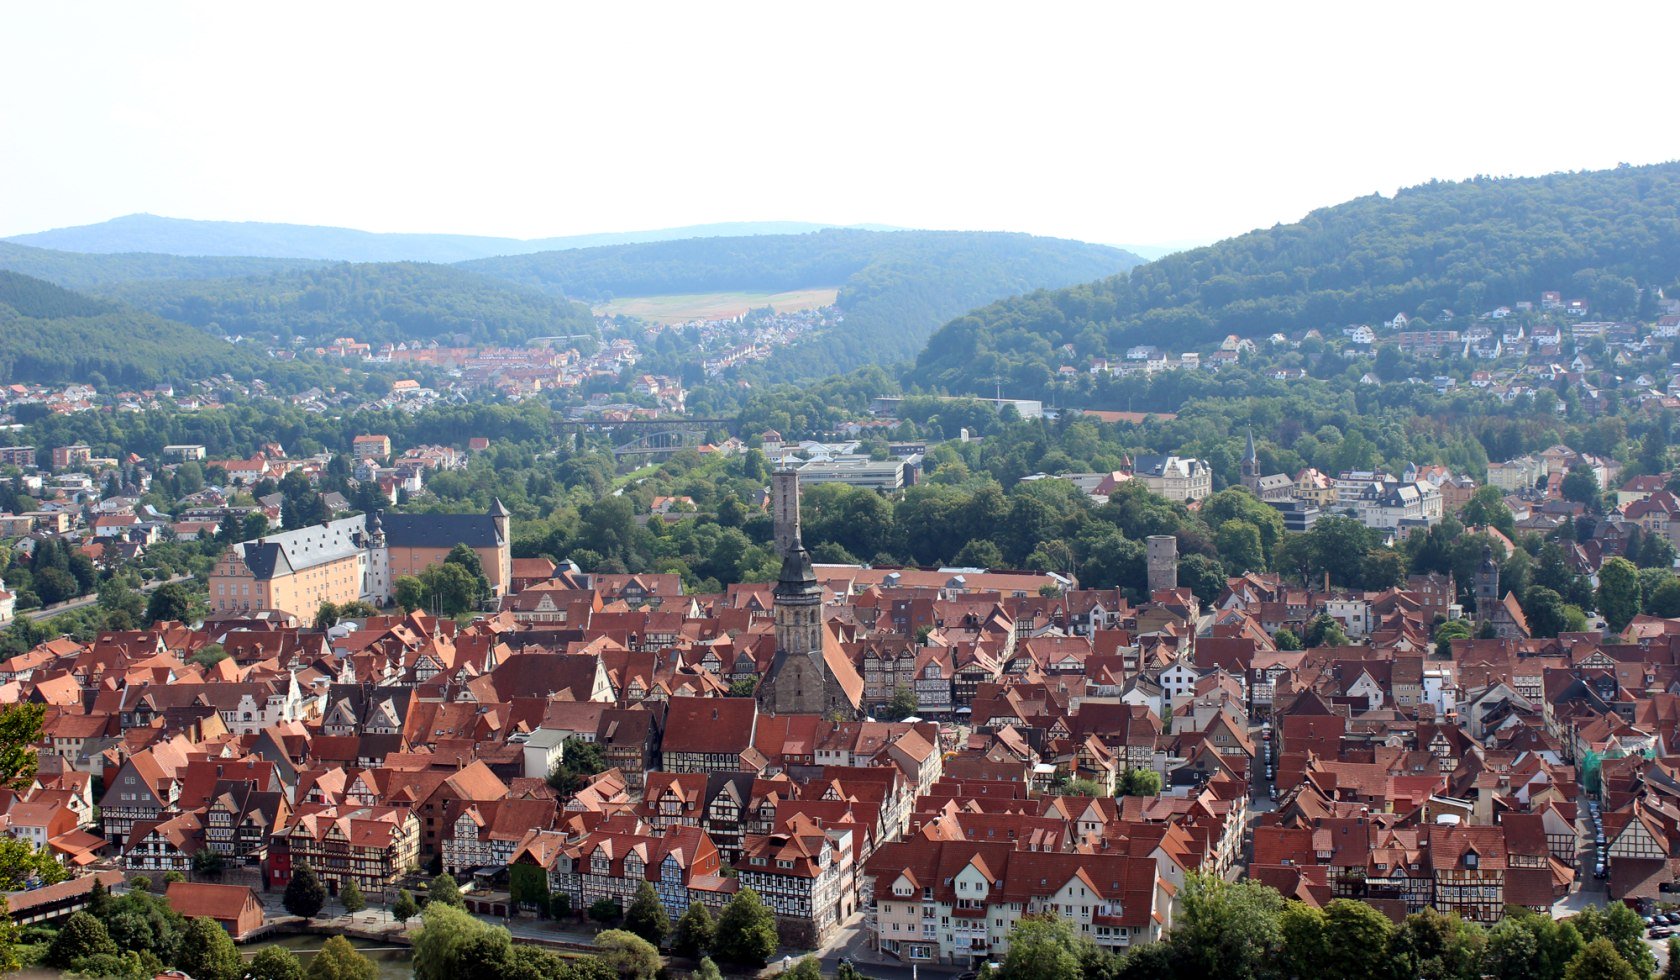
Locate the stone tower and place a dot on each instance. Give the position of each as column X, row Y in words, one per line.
column 802, row 678
column 1487, row 584
column 1161, row 551
column 784, row 509
column 1251, row 466
column 377, row 584
column 797, row 602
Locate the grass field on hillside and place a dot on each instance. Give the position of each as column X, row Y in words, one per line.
column 716, row 306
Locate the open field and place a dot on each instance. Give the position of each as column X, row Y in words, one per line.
column 716, row 306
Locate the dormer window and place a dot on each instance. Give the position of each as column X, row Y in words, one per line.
column 1470, row 859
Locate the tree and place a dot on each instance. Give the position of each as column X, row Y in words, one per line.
column 579, row 760
column 1672, row 970
column 1544, row 610
column 351, row 897
column 746, row 931
column 1227, row 929
column 646, row 916
column 305, row 895
column 444, row 890
column 1581, row 486
column 1665, row 599
column 902, row 705
column 1140, row 782
column 23, row 865
column 1618, row 593
column 450, row 588
column 209, row 655
column 409, row 592
column 633, row 957
column 605, row 911
column 846, row 971
column 1041, row 948
column 20, row 729
column 1355, row 938
column 808, row 968
column 170, row 601
column 81, row 935
column 1305, row 953
column 405, row 907
column 695, row 931
column 1436, row 946
column 1285, row 639
column 1324, row 631
column 326, row 616
column 207, row 952
column 1623, row 928
column 1600, row 961
column 274, row 963
column 338, row 960
column 708, row 971
column 487, row 954
column 445, row 934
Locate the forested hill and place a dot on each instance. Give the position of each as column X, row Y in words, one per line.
column 87, row 270
column 1465, row 246
column 184, row 237
column 49, row 334
column 373, row 302
column 895, row 287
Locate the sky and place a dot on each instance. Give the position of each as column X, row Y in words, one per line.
column 1110, row 122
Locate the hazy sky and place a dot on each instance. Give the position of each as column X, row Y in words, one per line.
column 1113, row 122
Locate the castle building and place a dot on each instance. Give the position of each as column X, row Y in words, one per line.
column 353, row 558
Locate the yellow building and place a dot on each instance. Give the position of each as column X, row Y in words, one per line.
column 353, row 558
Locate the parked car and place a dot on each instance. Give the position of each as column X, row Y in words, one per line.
column 1598, row 872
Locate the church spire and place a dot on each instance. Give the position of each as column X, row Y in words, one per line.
column 1251, row 465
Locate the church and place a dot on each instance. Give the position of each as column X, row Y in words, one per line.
column 810, row 673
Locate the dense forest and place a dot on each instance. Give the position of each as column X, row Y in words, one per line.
column 895, row 287
column 375, row 303
column 81, row 270
column 1466, row 247
column 49, row 334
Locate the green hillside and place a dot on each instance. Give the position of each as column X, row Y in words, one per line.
column 84, row 270
column 895, row 287
column 1464, row 246
column 49, row 334
column 375, row 302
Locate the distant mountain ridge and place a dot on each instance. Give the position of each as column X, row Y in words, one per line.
column 258, row 239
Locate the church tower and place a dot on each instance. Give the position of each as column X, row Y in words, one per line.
column 798, row 604
column 784, row 509
column 803, row 678
column 1251, row 466
column 1487, row 584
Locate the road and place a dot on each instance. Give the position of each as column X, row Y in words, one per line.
column 71, row 605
